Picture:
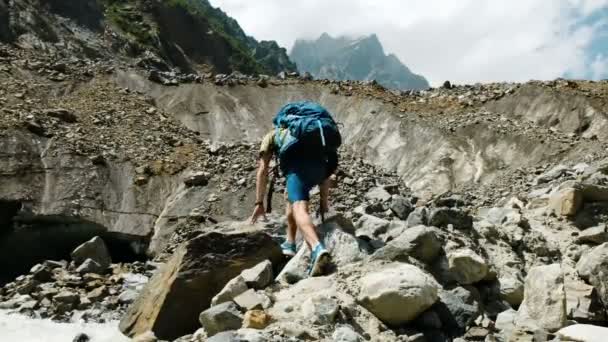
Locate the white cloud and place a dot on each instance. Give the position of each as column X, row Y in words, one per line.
column 465, row 41
column 599, row 67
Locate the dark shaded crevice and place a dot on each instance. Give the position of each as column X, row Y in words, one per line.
column 27, row 243
column 8, row 210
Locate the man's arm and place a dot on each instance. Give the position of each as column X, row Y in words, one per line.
column 261, row 183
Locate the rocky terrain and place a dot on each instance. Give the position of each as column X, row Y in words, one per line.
column 362, row 59
column 464, row 212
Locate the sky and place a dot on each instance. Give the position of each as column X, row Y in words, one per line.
column 464, row 41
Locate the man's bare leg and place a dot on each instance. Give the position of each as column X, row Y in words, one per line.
column 292, row 227
column 304, row 222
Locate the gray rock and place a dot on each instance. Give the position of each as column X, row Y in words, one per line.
column 419, row 242
column 398, row 293
column 583, row 332
column 233, row 288
column 185, row 285
column 67, row 297
column 593, row 267
column 466, row 266
column 544, row 304
column 401, row 206
column 594, row 235
column 127, row 297
column 250, row 300
column 378, row 194
column 505, row 321
column 338, row 237
column 197, row 179
column 320, row 309
column 370, row 227
column 458, row 309
column 62, row 114
column 583, row 303
column 511, row 290
column 41, row 273
column 94, row 249
column 442, row 217
column 259, row 276
column 501, row 216
column 27, row 286
column 418, row 217
column 345, row 333
column 91, row 266
column 219, row 318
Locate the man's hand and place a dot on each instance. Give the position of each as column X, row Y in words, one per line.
column 257, row 212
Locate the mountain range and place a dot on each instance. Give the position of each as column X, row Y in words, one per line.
column 345, row 58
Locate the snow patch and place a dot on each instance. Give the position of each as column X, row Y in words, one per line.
column 24, row 329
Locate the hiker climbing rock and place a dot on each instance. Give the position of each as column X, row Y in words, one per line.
column 304, row 141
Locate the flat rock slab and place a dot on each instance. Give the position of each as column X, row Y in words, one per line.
column 583, row 332
column 171, row 302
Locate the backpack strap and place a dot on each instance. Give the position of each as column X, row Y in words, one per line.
column 322, row 134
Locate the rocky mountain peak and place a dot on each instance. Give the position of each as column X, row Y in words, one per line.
column 355, row 59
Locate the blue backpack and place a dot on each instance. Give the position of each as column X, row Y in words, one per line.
column 306, row 125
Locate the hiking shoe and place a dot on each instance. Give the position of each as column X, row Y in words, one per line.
column 319, row 258
column 288, row 248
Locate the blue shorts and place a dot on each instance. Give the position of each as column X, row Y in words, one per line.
column 302, row 177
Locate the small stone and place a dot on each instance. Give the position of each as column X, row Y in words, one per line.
column 511, row 290
column 250, row 300
column 256, row 319
column 233, row 288
column 197, row 179
column 260, row 276
column 127, row 297
column 320, row 309
column 41, row 273
column 223, row 317
column 401, row 207
column 67, row 297
column 94, row 249
column 62, row 114
column 90, row 266
column 467, row 266
column 81, row 338
column 378, row 194
column 345, row 333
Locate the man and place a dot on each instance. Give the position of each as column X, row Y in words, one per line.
column 304, row 165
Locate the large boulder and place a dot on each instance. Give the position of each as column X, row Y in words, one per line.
column 337, row 234
column 171, row 302
column 398, row 293
column 420, row 242
column 544, row 304
column 466, row 266
column 94, row 249
column 593, row 267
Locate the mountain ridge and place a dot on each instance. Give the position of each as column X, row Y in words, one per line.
column 362, row 59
